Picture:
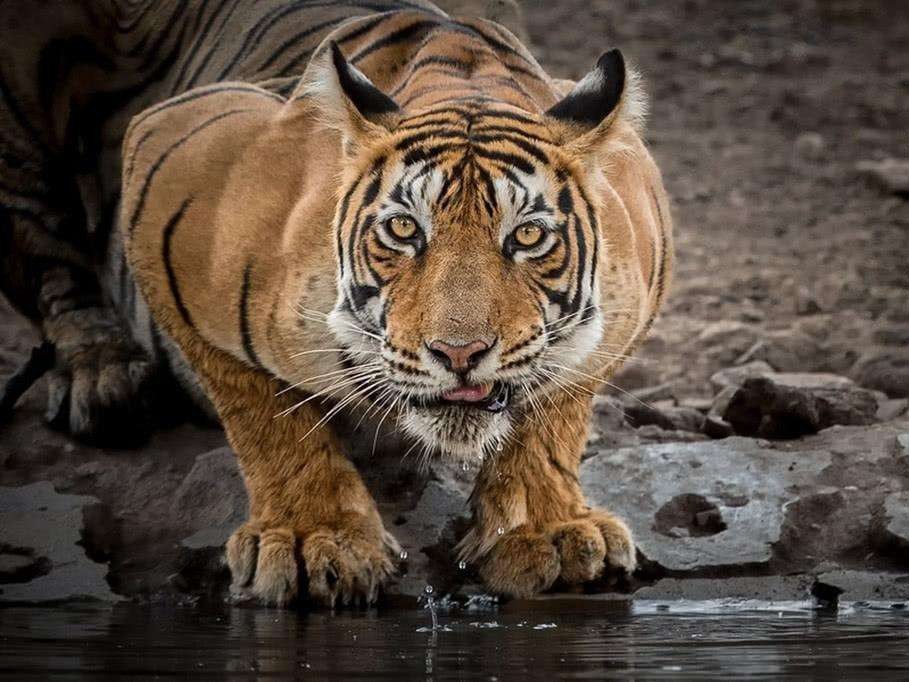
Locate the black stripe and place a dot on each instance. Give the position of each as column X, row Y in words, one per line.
column 595, row 230
column 435, row 60
column 194, row 79
column 152, row 55
column 168, row 265
column 507, row 159
column 393, row 38
column 295, row 40
column 435, row 134
column 245, row 333
column 140, row 204
column 526, row 146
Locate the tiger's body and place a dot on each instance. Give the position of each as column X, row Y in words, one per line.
column 397, row 211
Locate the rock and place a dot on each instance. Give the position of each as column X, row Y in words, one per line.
column 609, row 413
column 44, row 528
column 887, row 372
column 810, row 146
column 734, row 376
column 806, row 303
column 894, row 335
column 896, row 523
column 651, row 393
column 428, row 535
column 760, row 589
column 891, row 409
column 903, row 441
column 211, row 501
column 784, row 406
column 651, row 433
column 717, row 427
column 700, row 404
column 786, row 351
column 890, row 175
column 726, row 340
column 668, row 418
column 685, row 418
column 743, row 484
column 854, row 585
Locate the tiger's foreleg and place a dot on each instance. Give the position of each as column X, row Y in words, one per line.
column 531, row 524
column 310, row 514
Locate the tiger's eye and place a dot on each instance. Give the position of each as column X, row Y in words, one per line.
column 402, row 227
column 528, row 234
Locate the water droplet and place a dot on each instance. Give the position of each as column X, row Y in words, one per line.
column 403, row 555
column 462, row 565
column 500, row 530
column 500, row 447
column 428, row 589
column 465, row 466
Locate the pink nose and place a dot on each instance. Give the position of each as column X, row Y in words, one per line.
column 459, row 358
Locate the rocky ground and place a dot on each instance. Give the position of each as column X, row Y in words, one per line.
column 764, row 451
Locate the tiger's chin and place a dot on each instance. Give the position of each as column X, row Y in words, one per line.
column 458, row 432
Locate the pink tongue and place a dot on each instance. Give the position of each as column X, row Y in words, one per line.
column 468, row 394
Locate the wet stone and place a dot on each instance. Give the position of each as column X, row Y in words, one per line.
column 45, row 527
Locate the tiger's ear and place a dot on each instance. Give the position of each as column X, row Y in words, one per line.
column 584, row 119
column 348, row 100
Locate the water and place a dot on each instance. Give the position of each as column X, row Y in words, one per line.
column 546, row 639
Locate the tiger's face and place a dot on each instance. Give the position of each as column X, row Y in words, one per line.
column 468, row 252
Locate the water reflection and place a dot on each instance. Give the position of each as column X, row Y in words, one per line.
column 546, row 639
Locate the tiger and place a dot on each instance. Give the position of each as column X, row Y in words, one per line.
column 391, row 213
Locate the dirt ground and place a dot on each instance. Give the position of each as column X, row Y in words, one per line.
column 759, row 115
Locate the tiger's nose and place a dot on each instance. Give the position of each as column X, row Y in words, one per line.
column 459, row 358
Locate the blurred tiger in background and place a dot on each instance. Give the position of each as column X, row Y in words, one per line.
column 328, row 207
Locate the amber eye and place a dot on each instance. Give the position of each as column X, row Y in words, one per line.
column 402, row 227
column 528, row 235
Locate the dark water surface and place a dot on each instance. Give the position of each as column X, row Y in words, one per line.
column 580, row 639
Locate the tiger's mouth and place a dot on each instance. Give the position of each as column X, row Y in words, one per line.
column 493, row 397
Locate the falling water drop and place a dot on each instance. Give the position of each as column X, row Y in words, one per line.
column 500, row 530
column 428, row 589
column 403, row 555
column 462, row 565
column 465, row 466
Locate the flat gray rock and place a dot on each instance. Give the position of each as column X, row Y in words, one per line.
column 42, row 526
column 867, row 585
column 761, row 588
column 700, row 505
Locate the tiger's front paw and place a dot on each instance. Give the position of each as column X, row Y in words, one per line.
column 344, row 563
column 100, row 377
column 525, row 562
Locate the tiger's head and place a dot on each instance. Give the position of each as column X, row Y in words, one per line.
column 475, row 274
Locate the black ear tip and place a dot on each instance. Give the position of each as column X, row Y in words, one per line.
column 336, row 55
column 612, row 63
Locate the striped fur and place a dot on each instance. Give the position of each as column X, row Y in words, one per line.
column 255, row 214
